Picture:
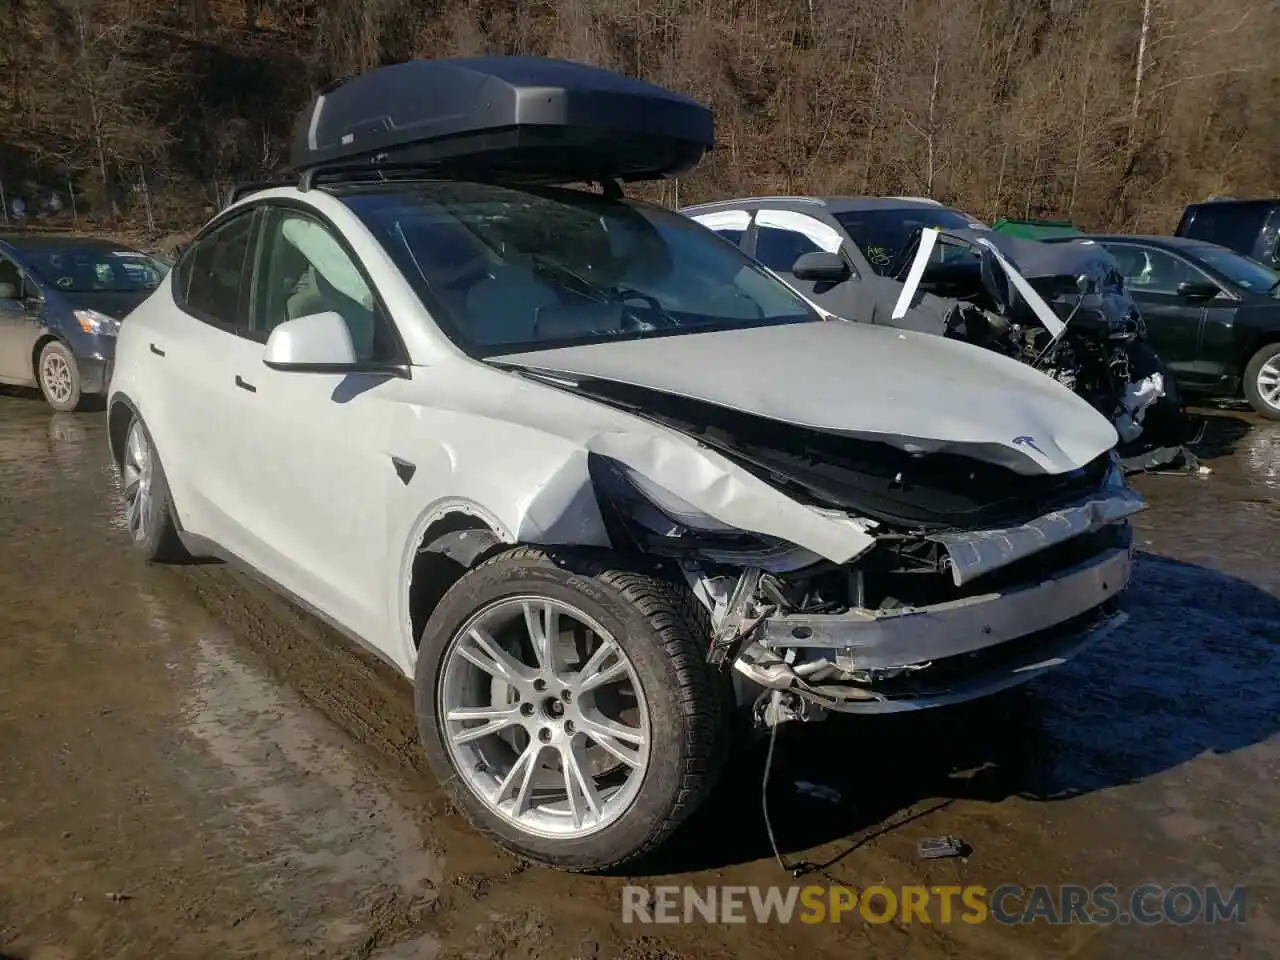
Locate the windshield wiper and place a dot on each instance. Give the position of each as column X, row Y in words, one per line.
column 585, row 286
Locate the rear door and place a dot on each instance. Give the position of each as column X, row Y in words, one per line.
column 193, row 409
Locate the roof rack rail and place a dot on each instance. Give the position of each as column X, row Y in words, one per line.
column 929, row 200
column 240, row 190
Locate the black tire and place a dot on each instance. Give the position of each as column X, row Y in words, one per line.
column 159, row 542
column 1268, row 354
column 63, row 399
column 663, row 631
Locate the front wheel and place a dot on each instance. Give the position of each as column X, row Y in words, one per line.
column 568, row 707
column 59, row 377
column 1262, row 381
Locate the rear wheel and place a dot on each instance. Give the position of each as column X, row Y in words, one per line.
column 1262, row 381
column 568, row 707
column 148, row 512
column 58, row 376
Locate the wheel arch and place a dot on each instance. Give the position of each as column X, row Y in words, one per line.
column 120, row 410
column 451, row 540
column 46, row 337
column 1260, row 339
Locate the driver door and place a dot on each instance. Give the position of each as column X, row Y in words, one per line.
column 317, row 462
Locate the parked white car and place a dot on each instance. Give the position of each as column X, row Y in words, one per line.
column 587, row 474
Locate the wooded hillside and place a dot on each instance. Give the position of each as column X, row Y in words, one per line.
column 1112, row 112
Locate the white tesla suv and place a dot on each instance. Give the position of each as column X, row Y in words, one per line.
column 591, row 478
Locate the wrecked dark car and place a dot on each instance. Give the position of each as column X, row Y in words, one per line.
column 1061, row 308
column 852, row 257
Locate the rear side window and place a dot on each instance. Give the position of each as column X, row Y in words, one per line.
column 1270, row 252
column 1232, row 225
column 212, row 281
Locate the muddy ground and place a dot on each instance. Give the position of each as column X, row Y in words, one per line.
column 190, row 768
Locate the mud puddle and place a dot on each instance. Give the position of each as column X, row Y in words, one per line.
column 190, row 767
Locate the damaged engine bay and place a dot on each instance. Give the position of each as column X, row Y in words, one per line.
column 978, row 576
column 1060, row 308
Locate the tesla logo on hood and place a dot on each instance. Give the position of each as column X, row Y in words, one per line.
column 1029, row 442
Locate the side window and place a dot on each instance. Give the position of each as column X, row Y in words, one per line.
column 1227, row 224
column 730, row 225
column 211, row 281
column 1148, row 270
column 304, row 269
column 779, row 249
column 1270, row 240
column 783, row 236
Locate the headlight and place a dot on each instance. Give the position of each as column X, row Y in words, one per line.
column 684, row 514
column 91, row 321
column 654, row 520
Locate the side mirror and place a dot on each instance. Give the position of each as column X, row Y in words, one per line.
column 315, row 343
column 821, row 267
column 1197, row 290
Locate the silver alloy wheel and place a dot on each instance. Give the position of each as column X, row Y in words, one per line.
column 56, row 377
column 137, row 482
column 544, row 717
column 1269, row 382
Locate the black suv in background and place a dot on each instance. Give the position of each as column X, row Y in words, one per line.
column 1249, row 227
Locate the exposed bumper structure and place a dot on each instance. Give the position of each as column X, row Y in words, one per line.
column 902, row 639
column 965, row 681
column 865, row 660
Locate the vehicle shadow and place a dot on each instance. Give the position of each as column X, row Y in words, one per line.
column 1192, row 672
column 1217, row 433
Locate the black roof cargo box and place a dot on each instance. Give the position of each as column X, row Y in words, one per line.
column 525, row 118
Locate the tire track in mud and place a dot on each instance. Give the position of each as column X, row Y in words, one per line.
column 333, row 674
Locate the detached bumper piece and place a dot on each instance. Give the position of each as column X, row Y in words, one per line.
column 910, row 658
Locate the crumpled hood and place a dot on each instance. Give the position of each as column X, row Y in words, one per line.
column 913, row 391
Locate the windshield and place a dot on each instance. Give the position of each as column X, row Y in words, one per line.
column 1241, row 271
column 882, row 235
column 507, row 270
column 90, row 270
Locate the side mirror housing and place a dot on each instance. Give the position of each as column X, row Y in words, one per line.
column 821, row 267
column 321, row 343
column 311, row 342
column 1197, row 290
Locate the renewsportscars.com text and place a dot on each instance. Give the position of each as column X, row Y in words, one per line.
column 1145, row 904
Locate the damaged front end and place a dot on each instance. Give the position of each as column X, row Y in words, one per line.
column 975, row 579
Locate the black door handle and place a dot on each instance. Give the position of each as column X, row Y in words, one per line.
column 156, row 350
column 244, row 384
